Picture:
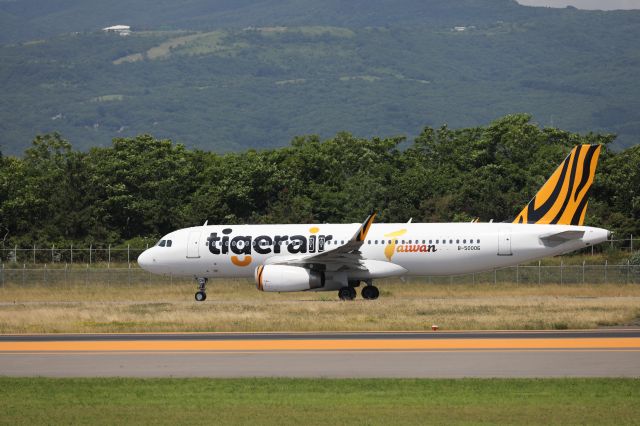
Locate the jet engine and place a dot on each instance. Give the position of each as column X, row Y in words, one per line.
column 283, row 278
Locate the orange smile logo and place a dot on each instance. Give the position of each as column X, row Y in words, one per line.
column 241, row 262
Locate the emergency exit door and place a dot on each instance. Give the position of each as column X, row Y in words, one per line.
column 193, row 245
column 504, row 243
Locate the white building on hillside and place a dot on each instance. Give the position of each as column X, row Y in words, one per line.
column 123, row 30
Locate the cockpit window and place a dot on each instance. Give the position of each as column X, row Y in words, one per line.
column 162, row 243
column 169, row 242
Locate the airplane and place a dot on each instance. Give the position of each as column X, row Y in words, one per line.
column 330, row 257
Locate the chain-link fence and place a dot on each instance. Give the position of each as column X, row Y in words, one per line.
column 84, row 276
column 107, row 254
column 557, row 274
column 70, row 255
column 520, row 275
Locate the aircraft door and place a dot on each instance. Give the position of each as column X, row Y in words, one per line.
column 504, row 243
column 193, row 245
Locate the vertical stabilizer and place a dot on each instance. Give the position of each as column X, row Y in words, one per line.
column 564, row 197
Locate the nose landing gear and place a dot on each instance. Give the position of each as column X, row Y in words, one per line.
column 201, row 294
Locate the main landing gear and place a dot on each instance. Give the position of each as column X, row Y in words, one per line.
column 347, row 293
column 201, row 294
column 369, row 292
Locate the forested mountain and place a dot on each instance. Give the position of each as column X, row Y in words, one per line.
column 228, row 75
column 28, row 19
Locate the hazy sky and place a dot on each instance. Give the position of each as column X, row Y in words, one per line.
column 586, row 4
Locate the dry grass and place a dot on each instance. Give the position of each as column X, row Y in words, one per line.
column 238, row 306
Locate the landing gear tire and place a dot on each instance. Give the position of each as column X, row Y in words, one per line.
column 347, row 293
column 201, row 295
column 370, row 292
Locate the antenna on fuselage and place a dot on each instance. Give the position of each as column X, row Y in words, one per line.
column 206, row 222
column 410, row 220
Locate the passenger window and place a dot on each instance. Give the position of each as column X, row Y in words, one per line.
column 450, row 241
column 478, row 241
column 457, row 241
column 464, row 241
column 169, row 242
column 437, row 241
column 430, row 241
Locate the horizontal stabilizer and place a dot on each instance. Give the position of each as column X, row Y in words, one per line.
column 561, row 237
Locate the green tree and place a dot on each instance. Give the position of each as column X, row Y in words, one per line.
column 141, row 186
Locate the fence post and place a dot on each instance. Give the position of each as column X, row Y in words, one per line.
column 628, row 267
column 109, row 258
column 45, row 275
column 24, row 268
column 128, row 254
column 71, row 254
column 15, row 253
column 65, row 274
column 518, row 274
column 632, row 243
column 495, row 277
column 86, row 276
column 583, row 272
column 606, row 262
column 53, row 246
column 539, row 272
column 34, row 254
column 561, row 272
column 90, row 249
column 2, row 276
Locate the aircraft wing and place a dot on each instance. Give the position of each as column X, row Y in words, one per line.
column 342, row 258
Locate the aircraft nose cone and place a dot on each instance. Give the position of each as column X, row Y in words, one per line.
column 145, row 260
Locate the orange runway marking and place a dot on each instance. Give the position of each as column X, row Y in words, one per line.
column 325, row 345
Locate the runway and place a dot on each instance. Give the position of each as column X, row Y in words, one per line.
column 589, row 353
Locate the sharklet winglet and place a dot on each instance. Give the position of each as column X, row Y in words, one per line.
column 361, row 235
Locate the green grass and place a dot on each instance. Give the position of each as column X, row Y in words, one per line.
column 305, row 401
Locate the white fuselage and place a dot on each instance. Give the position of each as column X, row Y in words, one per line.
column 214, row 251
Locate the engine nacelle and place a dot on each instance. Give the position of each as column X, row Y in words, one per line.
column 283, row 278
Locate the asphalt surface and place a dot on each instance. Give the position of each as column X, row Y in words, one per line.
column 590, row 353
